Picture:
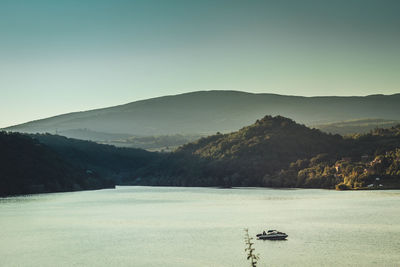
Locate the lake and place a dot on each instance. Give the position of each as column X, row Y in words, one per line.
column 170, row 226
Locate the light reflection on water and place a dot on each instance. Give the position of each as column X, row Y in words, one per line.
column 169, row 226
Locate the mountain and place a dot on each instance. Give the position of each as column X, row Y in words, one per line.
column 208, row 112
column 27, row 166
column 278, row 152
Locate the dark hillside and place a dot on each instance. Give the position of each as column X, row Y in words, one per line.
column 27, row 166
column 109, row 161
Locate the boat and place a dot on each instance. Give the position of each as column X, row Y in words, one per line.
column 272, row 235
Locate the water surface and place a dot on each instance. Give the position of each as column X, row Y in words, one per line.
column 168, row 226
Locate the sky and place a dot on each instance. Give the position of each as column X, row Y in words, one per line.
column 72, row 55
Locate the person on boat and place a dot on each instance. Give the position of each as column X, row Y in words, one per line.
column 264, row 233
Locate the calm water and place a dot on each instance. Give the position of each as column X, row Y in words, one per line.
column 144, row 226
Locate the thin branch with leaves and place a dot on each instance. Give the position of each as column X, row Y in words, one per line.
column 251, row 256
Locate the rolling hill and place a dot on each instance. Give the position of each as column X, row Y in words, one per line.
column 278, row 152
column 208, row 112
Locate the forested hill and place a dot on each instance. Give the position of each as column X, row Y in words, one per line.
column 244, row 157
column 277, row 152
column 207, row 112
column 273, row 152
column 269, row 139
column 27, row 166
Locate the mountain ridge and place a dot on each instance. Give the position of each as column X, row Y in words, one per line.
column 206, row 112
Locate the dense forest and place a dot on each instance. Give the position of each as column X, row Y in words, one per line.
column 28, row 166
column 108, row 161
column 272, row 152
column 277, row 152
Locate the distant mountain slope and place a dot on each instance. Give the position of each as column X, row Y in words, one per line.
column 207, row 112
column 356, row 126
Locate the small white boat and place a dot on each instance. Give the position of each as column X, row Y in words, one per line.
column 272, row 235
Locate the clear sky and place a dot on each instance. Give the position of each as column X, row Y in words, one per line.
column 70, row 55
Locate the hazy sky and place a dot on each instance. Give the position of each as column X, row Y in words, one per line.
column 66, row 55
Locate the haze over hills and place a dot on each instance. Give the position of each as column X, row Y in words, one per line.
column 355, row 126
column 207, row 112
